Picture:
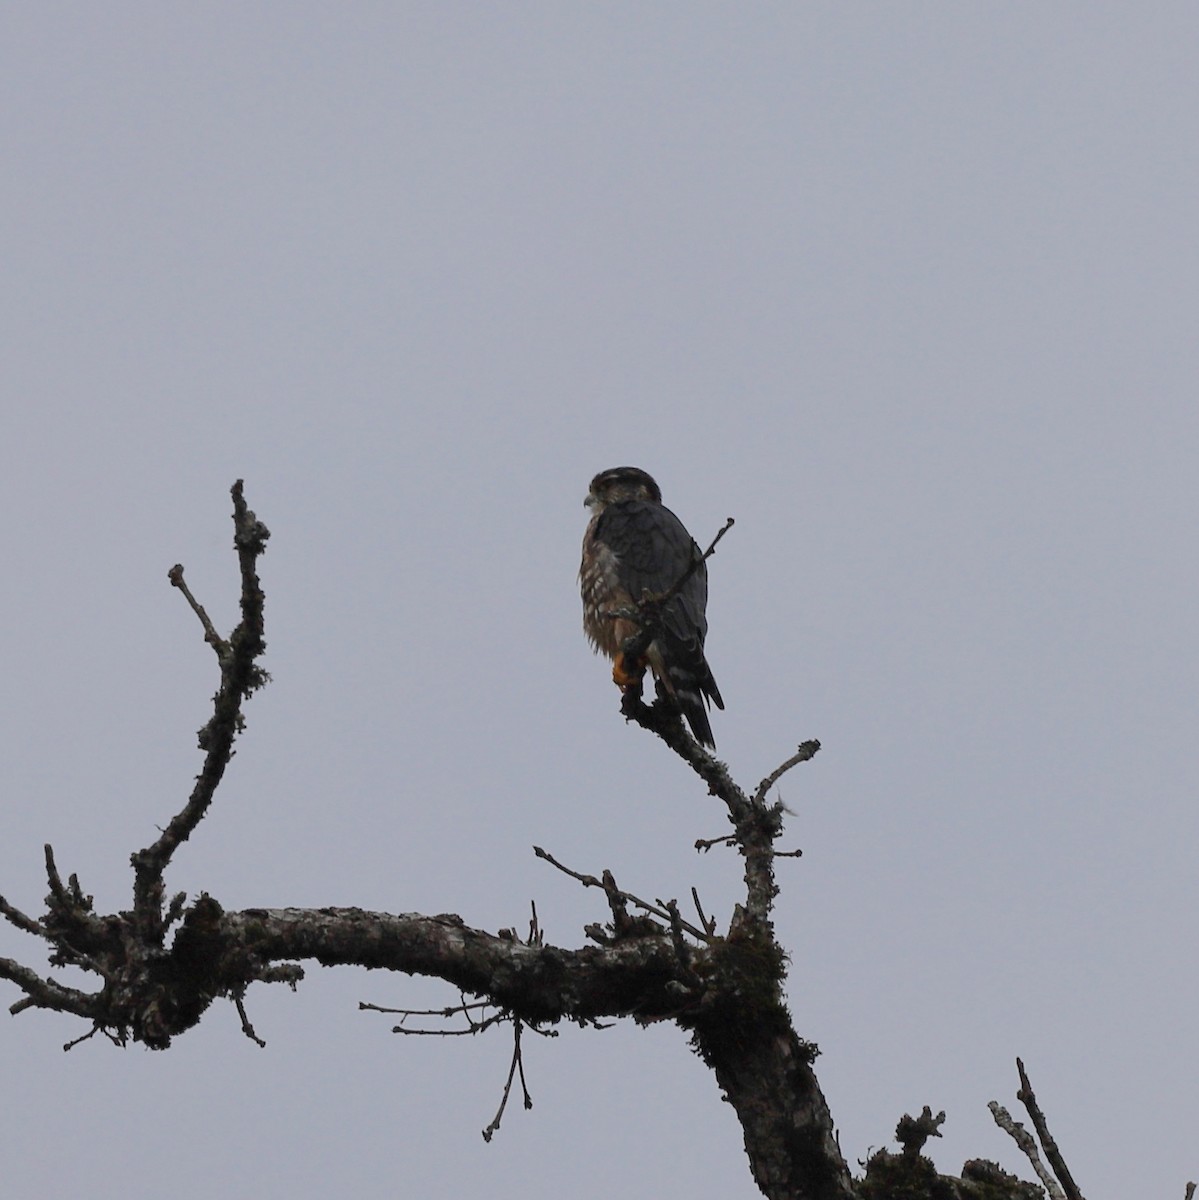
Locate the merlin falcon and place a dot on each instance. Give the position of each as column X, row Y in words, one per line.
column 633, row 545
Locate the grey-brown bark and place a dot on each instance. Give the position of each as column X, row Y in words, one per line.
column 723, row 987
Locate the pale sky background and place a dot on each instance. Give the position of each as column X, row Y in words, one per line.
column 910, row 290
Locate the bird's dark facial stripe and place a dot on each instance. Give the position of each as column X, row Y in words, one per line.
column 627, row 482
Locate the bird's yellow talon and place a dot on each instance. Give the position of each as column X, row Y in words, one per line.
column 624, row 678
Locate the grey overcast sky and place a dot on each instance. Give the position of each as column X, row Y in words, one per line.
column 908, row 289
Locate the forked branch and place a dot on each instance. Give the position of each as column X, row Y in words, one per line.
column 725, row 990
column 240, row 678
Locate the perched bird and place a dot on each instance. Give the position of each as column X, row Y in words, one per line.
column 632, row 545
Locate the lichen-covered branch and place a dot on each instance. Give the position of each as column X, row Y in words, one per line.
column 1028, row 1145
column 152, row 998
column 157, row 969
column 1028, row 1098
column 240, row 678
column 537, row 983
column 743, row 1029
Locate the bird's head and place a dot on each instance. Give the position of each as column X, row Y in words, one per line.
column 622, row 483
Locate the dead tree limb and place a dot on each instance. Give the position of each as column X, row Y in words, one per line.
column 723, row 987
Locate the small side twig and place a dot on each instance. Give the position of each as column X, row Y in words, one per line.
column 696, row 561
column 806, row 751
column 654, row 601
column 709, row 923
column 453, row 1010
column 246, row 1027
column 91, row 1033
column 644, row 905
column 464, row 1009
column 474, row 1028
column 536, row 933
column 214, row 639
column 517, row 1066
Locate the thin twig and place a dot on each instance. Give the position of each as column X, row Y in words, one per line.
column 520, row 1067
column 585, row 880
column 475, row 1028
column 709, row 924
column 655, row 601
column 693, row 566
column 91, row 1033
column 591, row 881
column 214, row 639
column 464, row 1009
column 246, row 1027
column 516, row 1063
column 366, row 1006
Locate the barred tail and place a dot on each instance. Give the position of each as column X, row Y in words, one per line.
column 694, row 688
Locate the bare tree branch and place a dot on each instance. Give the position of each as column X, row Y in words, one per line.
column 214, row 639
column 240, row 1001
column 16, row 917
column 780, row 1100
column 538, row 983
column 240, row 678
column 517, row 1065
column 464, row 1009
column 1028, row 1144
column 708, row 924
column 725, row 990
column 807, row 750
column 617, row 899
column 1028, row 1098
column 45, row 993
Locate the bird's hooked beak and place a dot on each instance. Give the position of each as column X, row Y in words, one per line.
column 590, row 501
